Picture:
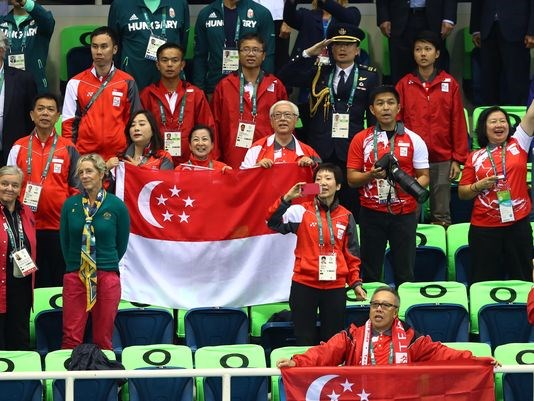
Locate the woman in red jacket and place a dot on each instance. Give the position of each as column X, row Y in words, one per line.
column 326, row 255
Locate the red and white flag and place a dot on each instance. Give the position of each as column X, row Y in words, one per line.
column 457, row 381
column 199, row 238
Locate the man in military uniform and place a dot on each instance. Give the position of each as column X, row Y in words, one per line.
column 338, row 96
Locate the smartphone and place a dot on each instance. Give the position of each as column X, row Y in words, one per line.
column 311, row 189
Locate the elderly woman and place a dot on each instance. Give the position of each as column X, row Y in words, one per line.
column 500, row 236
column 94, row 235
column 145, row 146
column 17, row 247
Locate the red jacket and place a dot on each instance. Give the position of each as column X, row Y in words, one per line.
column 225, row 107
column 28, row 225
column 435, row 112
column 346, row 348
column 196, row 111
column 302, row 221
column 61, row 181
column 101, row 130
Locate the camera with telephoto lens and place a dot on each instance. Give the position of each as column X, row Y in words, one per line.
column 394, row 173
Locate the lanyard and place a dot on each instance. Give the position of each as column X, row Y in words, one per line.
column 372, row 352
column 237, row 26
column 252, row 98
column 163, row 22
column 24, row 37
column 375, row 143
column 352, row 91
column 48, row 162
column 180, row 116
column 11, row 234
column 210, row 164
column 503, row 160
column 2, row 79
column 98, row 92
column 320, row 227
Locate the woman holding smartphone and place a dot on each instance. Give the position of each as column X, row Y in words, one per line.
column 326, row 255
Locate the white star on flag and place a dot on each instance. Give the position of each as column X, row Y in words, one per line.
column 333, row 396
column 183, row 217
column 364, row 396
column 188, row 202
column 347, row 386
column 167, row 216
column 161, row 200
column 175, row 191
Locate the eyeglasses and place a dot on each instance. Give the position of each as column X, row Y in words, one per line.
column 287, row 116
column 383, row 305
column 253, row 50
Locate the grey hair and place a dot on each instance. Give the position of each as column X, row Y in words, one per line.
column 94, row 158
column 12, row 170
column 4, row 43
column 284, row 102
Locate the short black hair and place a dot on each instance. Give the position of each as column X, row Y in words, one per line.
column 428, row 36
column 156, row 142
column 389, row 289
column 481, row 131
column 49, row 96
column 199, row 127
column 251, row 36
column 105, row 30
column 383, row 89
column 170, row 45
column 331, row 167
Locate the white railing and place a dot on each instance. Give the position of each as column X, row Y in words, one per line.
column 226, row 374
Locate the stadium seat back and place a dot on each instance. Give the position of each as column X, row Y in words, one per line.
column 161, row 388
column 443, row 322
column 478, row 349
column 88, row 390
column 504, row 323
column 457, row 237
column 20, row 390
column 514, row 386
column 215, row 326
column 231, row 356
column 46, row 298
column 276, row 354
column 260, row 314
column 495, row 292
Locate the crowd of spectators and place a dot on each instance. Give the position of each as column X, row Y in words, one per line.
column 134, row 104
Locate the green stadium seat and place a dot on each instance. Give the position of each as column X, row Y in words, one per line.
column 517, row 386
column 357, row 312
column 71, row 37
column 284, row 352
column 260, row 314
column 439, row 309
column 229, row 356
column 47, row 298
column 495, row 292
column 157, row 356
column 20, row 390
column 190, row 50
column 386, row 67
column 478, row 349
column 58, row 361
column 457, row 237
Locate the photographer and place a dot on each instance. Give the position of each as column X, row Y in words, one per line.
column 382, row 162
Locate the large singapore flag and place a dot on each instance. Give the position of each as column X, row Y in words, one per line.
column 445, row 381
column 199, row 238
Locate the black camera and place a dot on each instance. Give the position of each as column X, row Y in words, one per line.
column 390, row 165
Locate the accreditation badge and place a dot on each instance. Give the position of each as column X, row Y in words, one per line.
column 16, row 61
column 22, row 263
column 505, row 206
column 154, row 42
column 385, row 191
column 172, row 142
column 340, row 125
column 32, row 195
column 245, row 134
column 327, row 267
column 230, row 60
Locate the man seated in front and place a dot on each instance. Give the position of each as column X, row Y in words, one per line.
column 383, row 340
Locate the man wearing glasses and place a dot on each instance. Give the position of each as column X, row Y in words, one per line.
column 282, row 146
column 242, row 100
column 382, row 340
